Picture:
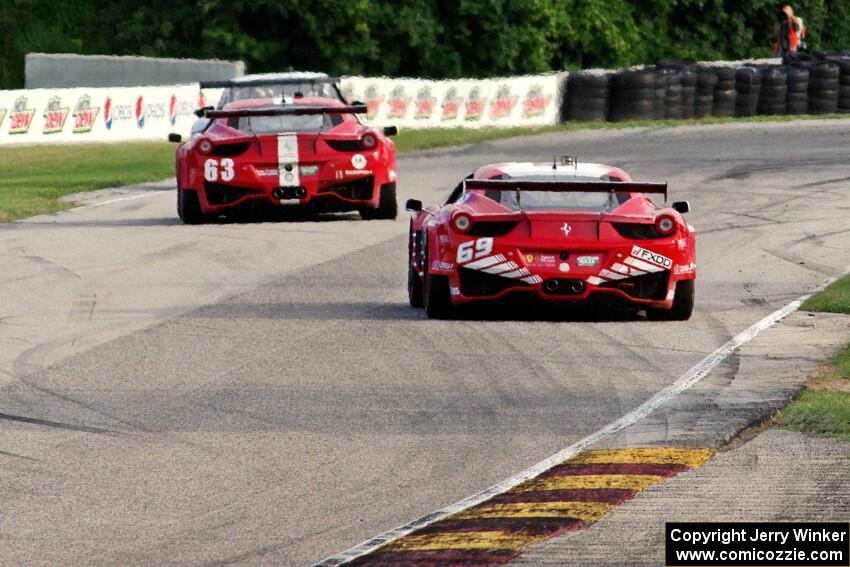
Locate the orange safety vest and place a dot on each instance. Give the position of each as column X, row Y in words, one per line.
column 795, row 37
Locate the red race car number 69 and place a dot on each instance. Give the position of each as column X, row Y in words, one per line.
column 474, row 249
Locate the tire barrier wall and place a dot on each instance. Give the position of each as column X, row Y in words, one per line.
column 816, row 83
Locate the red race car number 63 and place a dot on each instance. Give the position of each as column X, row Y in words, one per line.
column 212, row 170
column 474, row 249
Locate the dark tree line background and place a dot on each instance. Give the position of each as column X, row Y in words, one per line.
column 422, row 38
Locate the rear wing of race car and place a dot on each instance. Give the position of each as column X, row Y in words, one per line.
column 235, row 83
column 228, row 83
column 284, row 110
column 565, row 185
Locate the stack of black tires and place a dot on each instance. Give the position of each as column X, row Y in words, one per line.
column 843, row 62
column 823, row 87
column 587, row 96
column 774, row 90
column 725, row 91
column 816, row 83
column 797, row 80
column 634, row 95
column 748, row 87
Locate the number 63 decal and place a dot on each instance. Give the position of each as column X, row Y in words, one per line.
column 474, row 249
column 212, row 170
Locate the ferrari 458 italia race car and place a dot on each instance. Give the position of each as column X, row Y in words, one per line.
column 306, row 151
column 272, row 85
column 565, row 232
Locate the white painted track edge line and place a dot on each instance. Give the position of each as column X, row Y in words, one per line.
column 687, row 380
column 120, row 199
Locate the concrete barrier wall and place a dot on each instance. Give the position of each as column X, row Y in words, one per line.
column 62, row 70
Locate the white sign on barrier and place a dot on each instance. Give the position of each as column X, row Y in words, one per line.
column 151, row 113
column 532, row 100
column 97, row 114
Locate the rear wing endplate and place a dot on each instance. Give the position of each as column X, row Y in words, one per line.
column 574, row 186
column 284, row 110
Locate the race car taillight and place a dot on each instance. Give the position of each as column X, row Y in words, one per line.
column 461, row 222
column 205, row 146
column 369, row 141
column 665, row 225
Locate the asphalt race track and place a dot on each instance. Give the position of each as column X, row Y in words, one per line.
column 262, row 393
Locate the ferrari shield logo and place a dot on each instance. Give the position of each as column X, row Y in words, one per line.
column 566, row 228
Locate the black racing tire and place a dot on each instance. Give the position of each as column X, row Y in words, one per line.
column 582, row 106
column 823, row 83
column 585, row 82
column 414, row 287
column 773, row 91
column 797, row 108
column 725, row 73
column 683, row 304
column 634, row 80
column 823, row 106
column 773, row 77
column 416, row 242
column 438, row 301
column 189, row 207
column 799, row 87
column 673, row 110
column 825, row 70
column 630, row 95
column 387, row 205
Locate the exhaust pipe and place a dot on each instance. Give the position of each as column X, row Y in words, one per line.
column 577, row 286
column 551, row 285
column 289, row 192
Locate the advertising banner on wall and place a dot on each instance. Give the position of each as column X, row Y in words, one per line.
column 97, row 115
column 151, row 113
column 533, row 100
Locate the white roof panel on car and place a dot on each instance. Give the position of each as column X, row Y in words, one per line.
column 276, row 76
column 527, row 169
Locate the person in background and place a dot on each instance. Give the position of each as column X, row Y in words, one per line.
column 789, row 31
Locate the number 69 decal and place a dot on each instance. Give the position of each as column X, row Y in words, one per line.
column 474, row 249
column 212, row 169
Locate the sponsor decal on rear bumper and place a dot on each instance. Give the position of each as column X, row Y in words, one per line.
column 640, row 262
column 652, row 257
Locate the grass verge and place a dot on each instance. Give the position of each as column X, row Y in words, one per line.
column 824, row 407
column 34, row 178
column 834, row 299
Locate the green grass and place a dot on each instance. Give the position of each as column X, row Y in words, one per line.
column 819, row 412
column 824, row 408
column 834, row 299
column 33, row 178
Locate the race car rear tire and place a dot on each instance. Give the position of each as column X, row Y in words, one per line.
column 414, row 288
column 438, row 303
column 189, row 207
column 683, row 304
column 387, row 205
